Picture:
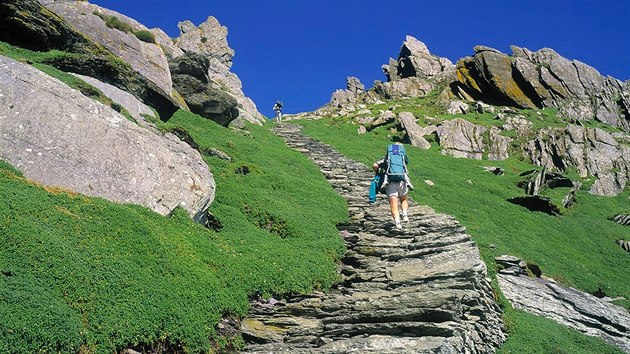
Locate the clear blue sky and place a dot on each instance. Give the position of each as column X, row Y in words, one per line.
column 301, row 51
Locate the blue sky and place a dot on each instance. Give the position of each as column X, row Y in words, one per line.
column 301, row 51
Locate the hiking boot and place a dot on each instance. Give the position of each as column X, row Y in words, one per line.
column 398, row 225
column 405, row 218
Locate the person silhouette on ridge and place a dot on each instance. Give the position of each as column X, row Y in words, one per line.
column 278, row 109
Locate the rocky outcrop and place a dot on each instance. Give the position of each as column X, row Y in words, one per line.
column 202, row 95
column 542, row 79
column 129, row 102
column 570, row 307
column 415, row 73
column 351, row 95
column 209, row 39
column 415, row 60
column 413, row 131
column 146, row 58
column 461, row 138
column 58, row 137
column 592, row 151
column 28, row 24
column 423, row 289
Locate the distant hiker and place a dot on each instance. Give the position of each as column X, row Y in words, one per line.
column 395, row 180
column 278, row 109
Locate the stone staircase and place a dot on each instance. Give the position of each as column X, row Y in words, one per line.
column 420, row 290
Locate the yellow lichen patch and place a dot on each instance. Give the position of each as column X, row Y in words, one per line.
column 180, row 100
column 463, row 75
column 65, row 211
column 59, row 190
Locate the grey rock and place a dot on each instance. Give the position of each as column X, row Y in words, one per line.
column 570, row 199
column 354, row 85
column 384, row 118
column 209, row 40
column 570, row 307
column 413, row 130
column 542, row 79
column 129, row 102
column 218, row 154
column 59, row 137
column 522, row 126
column 591, row 151
column 361, row 130
column 623, row 219
column 166, row 43
column 190, row 78
column 146, row 58
column 460, row 138
column 457, row 107
column 402, row 88
column 498, row 145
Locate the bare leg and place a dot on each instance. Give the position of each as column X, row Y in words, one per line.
column 404, row 204
column 393, row 206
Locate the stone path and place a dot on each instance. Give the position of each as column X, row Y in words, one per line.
column 422, row 289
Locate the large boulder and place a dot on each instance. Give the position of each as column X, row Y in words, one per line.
column 120, row 58
column 415, row 60
column 592, row 151
column 461, row 138
column 209, row 39
column 124, row 99
column 202, row 95
column 414, row 132
column 568, row 306
column 58, row 137
column 415, row 73
column 542, row 79
column 144, row 57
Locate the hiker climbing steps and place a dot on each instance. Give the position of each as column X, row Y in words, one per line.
column 420, row 289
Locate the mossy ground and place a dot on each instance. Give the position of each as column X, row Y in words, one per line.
column 576, row 248
column 81, row 274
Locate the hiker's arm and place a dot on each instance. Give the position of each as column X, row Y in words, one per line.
column 378, row 164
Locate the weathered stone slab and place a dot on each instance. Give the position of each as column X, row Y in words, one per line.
column 58, row 137
column 570, row 307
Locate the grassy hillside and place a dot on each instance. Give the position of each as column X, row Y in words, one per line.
column 577, row 248
column 84, row 274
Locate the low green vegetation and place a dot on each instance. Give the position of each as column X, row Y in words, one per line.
column 145, row 36
column 116, row 23
column 80, row 274
column 577, row 248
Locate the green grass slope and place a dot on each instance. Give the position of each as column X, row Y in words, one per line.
column 81, row 274
column 577, row 248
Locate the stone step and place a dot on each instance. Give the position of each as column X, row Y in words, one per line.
column 420, row 289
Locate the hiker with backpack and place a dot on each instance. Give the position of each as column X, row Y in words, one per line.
column 278, row 109
column 396, row 182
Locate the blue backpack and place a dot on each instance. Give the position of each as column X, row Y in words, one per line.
column 396, row 159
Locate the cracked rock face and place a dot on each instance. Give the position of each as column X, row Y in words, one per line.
column 423, row 289
column 58, row 137
column 209, row 39
column 543, row 79
column 146, row 58
column 570, row 307
column 591, row 150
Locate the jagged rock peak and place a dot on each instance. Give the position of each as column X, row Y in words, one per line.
column 412, row 46
column 542, row 79
column 415, row 60
column 209, row 39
